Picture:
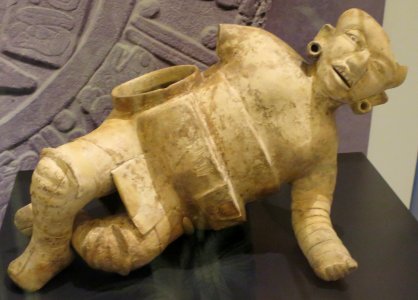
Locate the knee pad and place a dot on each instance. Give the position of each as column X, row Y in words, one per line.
column 51, row 181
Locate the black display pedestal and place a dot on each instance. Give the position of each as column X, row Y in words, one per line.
column 258, row 260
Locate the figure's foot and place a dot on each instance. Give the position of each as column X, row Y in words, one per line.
column 334, row 265
column 24, row 220
column 36, row 266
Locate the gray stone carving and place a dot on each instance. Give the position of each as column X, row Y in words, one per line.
column 67, row 5
column 43, row 34
column 15, row 80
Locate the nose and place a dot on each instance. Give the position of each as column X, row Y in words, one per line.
column 357, row 64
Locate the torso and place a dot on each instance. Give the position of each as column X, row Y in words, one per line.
column 248, row 127
column 284, row 128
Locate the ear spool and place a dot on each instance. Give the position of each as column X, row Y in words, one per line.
column 361, row 107
column 366, row 105
column 314, row 48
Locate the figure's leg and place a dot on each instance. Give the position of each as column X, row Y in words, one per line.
column 120, row 243
column 114, row 243
column 48, row 252
column 64, row 181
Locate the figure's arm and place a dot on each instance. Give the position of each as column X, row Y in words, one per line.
column 311, row 205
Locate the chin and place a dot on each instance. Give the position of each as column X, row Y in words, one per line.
column 337, row 95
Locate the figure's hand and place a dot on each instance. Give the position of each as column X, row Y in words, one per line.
column 324, row 250
column 311, row 207
column 334, row 264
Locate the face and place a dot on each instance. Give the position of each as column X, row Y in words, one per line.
column 348, row 70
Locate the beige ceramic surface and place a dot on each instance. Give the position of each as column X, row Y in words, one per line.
column 187, row 150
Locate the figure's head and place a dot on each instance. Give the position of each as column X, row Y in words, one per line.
column 355, row 63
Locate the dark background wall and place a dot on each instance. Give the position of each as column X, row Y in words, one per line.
column 59, row 60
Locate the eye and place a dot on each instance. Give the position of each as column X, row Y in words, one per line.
column 353, row 37
column 356, row 37
column 378, row 66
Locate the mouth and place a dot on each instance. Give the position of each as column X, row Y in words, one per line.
column 342, row 74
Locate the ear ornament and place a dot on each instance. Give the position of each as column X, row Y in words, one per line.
column 314, row 49
column 361, row 107
column 365, row 105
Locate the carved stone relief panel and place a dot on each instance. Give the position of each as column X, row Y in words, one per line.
column 46, row 32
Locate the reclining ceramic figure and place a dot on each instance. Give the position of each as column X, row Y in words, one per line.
column 187, row 149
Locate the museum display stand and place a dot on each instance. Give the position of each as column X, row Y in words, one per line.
column 257, row 260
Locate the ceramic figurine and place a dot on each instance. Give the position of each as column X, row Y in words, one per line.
column 187, row 150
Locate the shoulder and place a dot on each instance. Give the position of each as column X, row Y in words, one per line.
column 241, row 42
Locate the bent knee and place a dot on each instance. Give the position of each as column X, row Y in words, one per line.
column 52, row 180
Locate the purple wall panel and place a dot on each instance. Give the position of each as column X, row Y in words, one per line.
column 60, row 59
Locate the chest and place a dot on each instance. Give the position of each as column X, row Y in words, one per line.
column 296, row 134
